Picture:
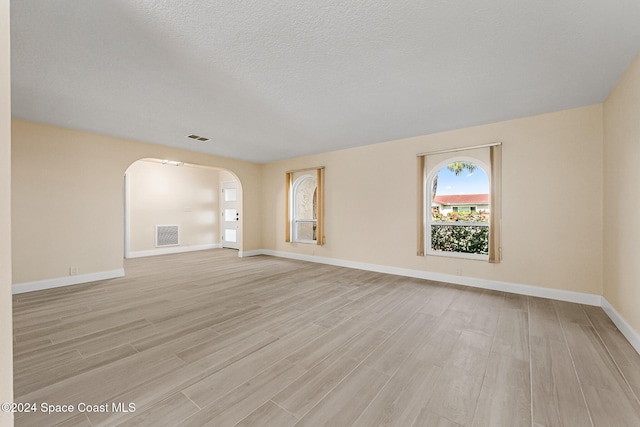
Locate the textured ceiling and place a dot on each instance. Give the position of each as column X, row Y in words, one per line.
column 274, row 79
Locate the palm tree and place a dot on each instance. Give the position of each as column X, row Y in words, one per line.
column 457, row 168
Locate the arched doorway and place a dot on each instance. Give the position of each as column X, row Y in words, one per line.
column 172, row 206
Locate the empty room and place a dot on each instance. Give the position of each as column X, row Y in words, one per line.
column 342, row 213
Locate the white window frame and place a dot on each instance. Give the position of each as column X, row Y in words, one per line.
column 428, row 197
column 294, row 214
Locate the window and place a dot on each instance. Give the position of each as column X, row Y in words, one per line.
column 305, row 206
column 460, row 229
column 459, row 203
column 305, row 210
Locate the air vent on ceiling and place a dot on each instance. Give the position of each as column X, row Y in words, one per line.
column 167, row 235
column 197, row 137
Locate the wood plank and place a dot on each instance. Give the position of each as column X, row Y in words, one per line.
column 389, row 356
column 608, row 409
column 46, row 376
column 557, row 397
column 470, row 354
column 440, row 300
column 403, row 398
column 247, row 397
column 400, row 314
column 622, row 352
column 170, row 411
column 147, row 394
column 543, row 320
column 214, row 386
column 505, row 399
column 101, row 384
column 512, row 334
column 268, row 414
column 455, row 396
column 327, row 343
column 347, row 401
column 304, row 393
column 571, row 313
column 437, row 347
column 607, row 393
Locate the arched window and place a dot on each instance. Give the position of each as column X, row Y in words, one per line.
column 460, row 199
column 458, row 221
column 305, row 206
column 305, row 209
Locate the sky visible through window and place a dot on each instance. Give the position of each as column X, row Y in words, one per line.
column 465, row 183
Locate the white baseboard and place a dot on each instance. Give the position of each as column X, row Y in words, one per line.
column 256, row 252
column 173, row 250
column 515, row 288
column 627, row 330
column 38, row 285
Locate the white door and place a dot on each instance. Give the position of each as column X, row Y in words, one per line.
column 230, row 215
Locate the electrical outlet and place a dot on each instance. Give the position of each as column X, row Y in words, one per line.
column 73, row 271
column 458, row 272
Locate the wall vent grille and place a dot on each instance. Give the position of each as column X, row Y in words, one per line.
column 167, row 235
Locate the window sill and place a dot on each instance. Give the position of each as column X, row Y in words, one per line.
column 458, row 255
column 306, row 242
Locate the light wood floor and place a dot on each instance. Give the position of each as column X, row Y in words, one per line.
column 207, row 338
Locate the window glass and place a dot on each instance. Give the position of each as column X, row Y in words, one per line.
column 230, row 195
column 459, row 216
column 306, row 231
column 305, row 206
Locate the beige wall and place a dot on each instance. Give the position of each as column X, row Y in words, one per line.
column 160, row 194
column 6, row 340
column 68, row 198
column 552, row 160
column 622, row 196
